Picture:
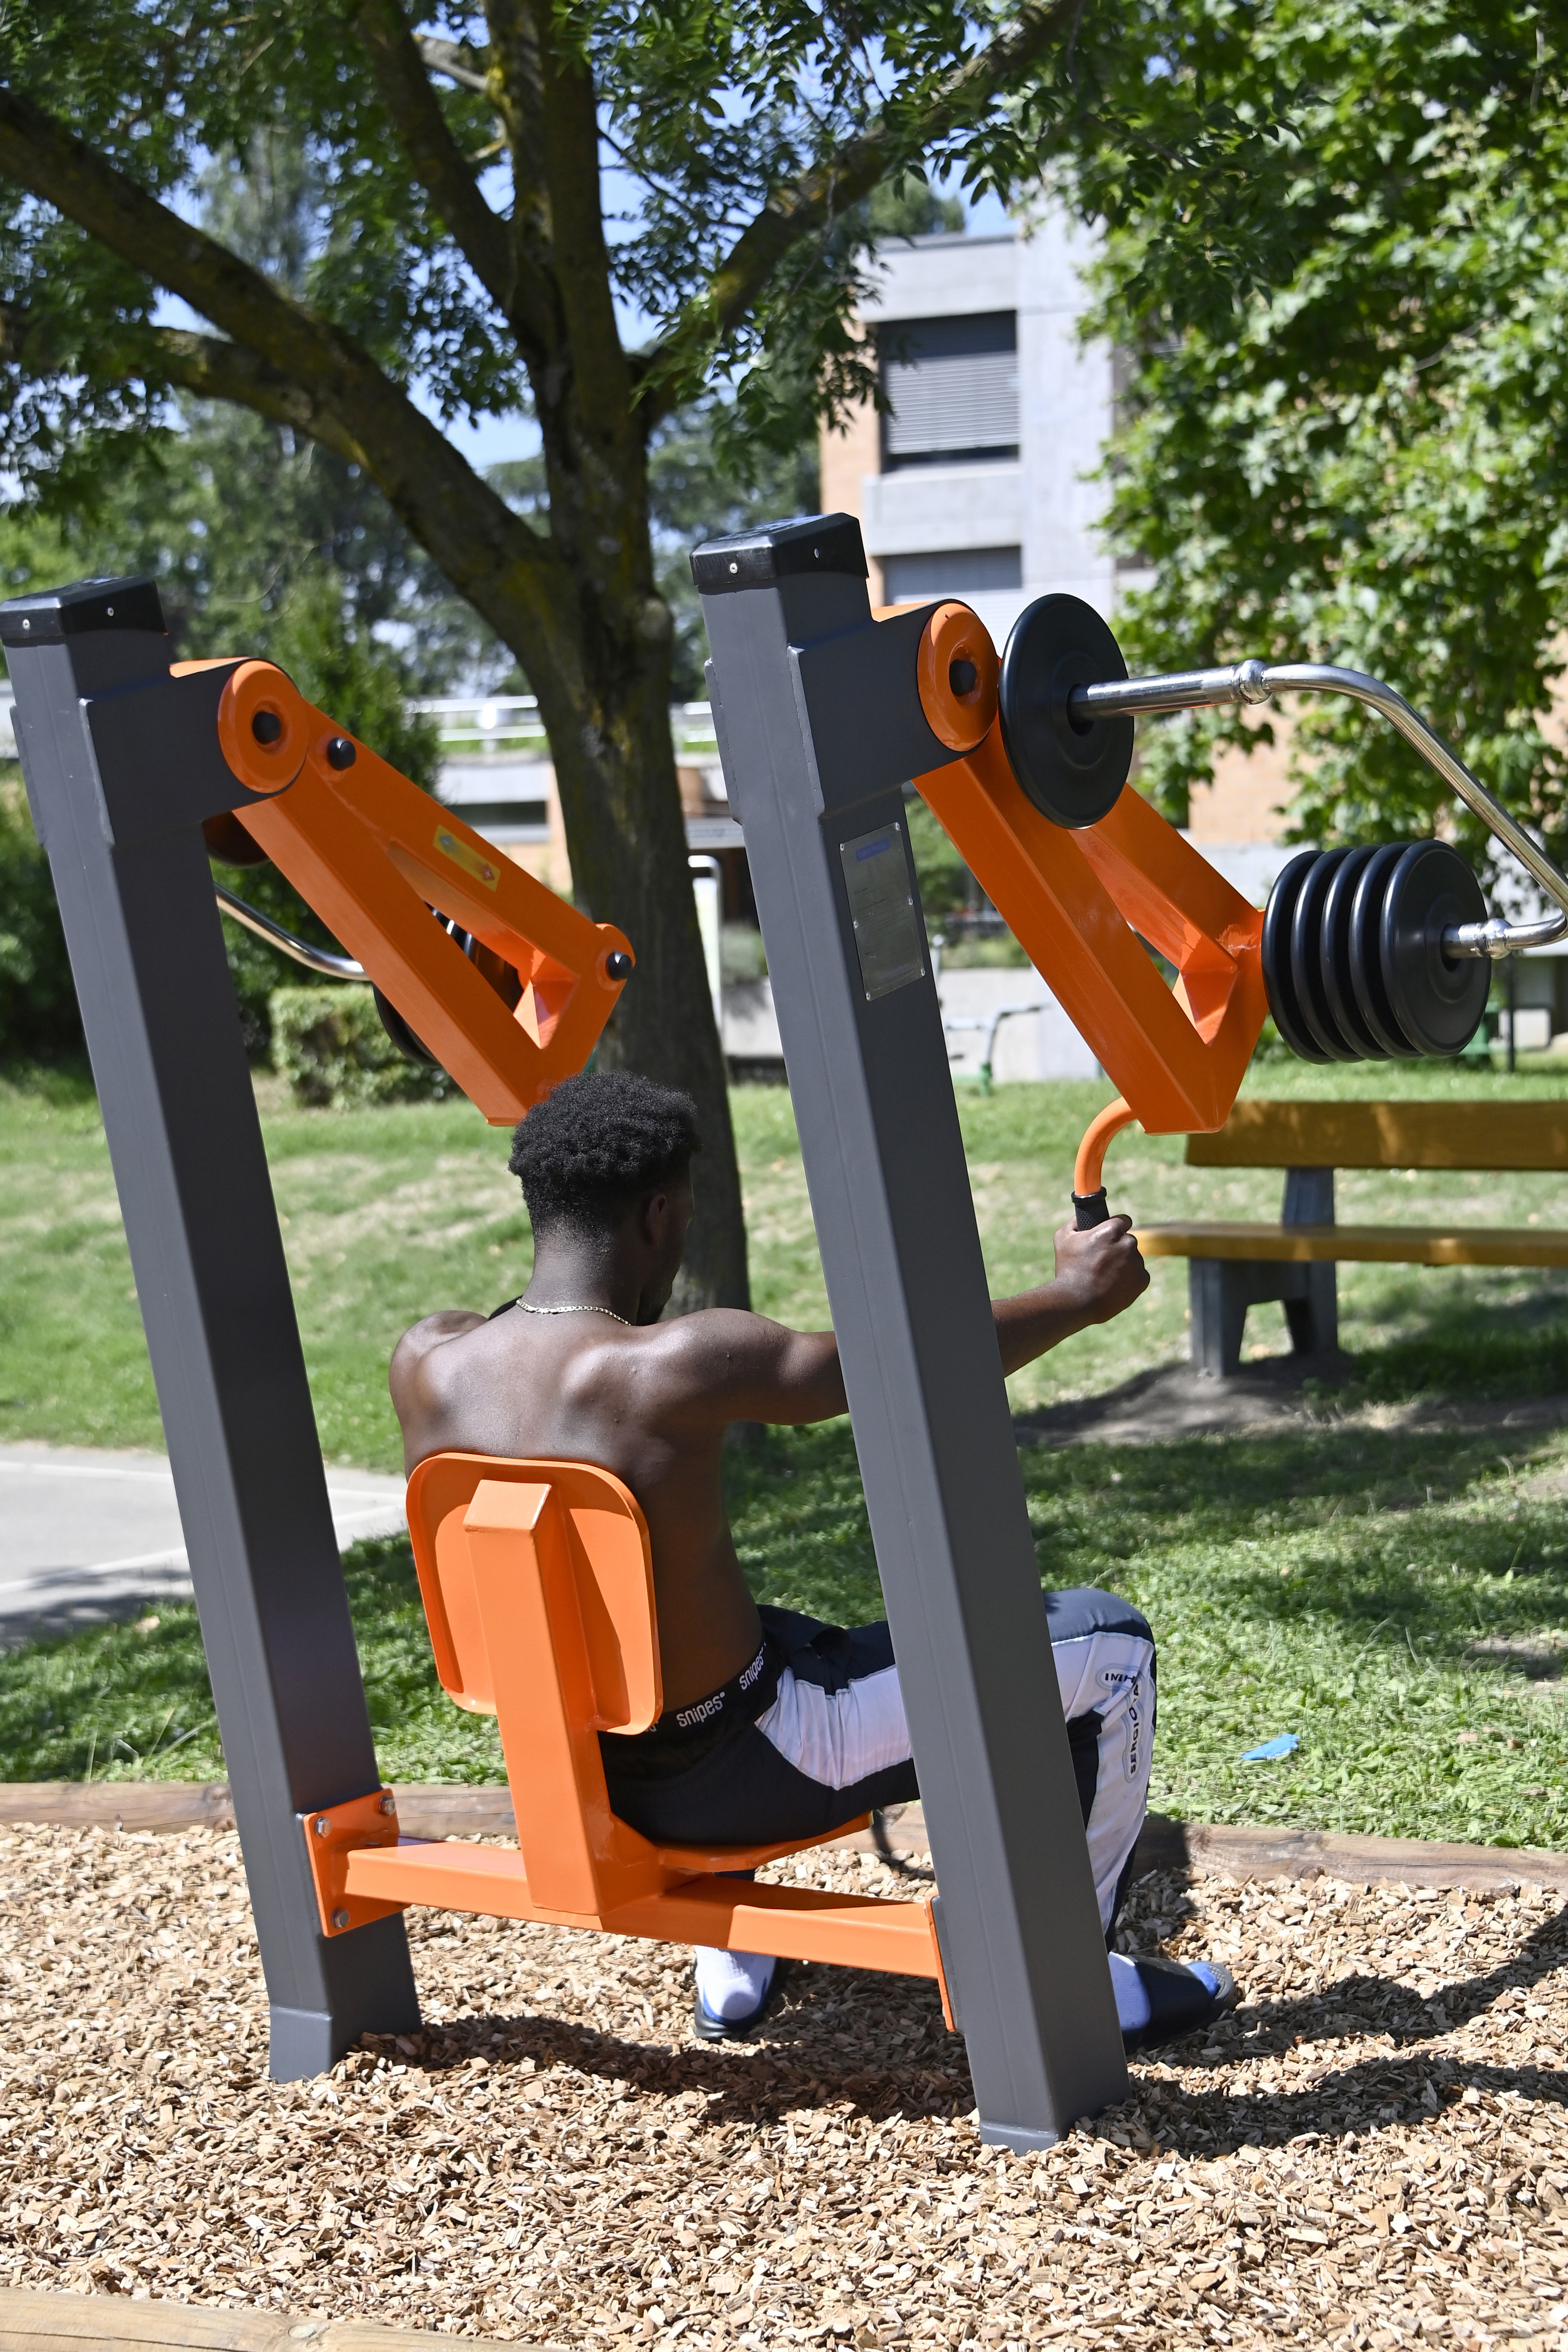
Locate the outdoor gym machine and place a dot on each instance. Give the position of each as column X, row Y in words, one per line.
column 824, row 710
column 126, row 761
column 537, row 1577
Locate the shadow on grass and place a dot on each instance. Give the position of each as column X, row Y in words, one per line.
column 1462, row 1332
column 1384, row 1527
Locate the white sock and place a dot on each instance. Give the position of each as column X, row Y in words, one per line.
column 732, row 1985
column 1133, row 2001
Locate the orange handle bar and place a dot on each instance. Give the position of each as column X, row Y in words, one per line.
column 372, row 854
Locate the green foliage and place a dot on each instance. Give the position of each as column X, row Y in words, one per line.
column 259, row 546
column 708, row 110
column 329, row 1043
column 1336, row 254
column 940, row 874
column 39, row 1017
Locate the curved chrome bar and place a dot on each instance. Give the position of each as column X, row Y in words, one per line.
column 1498, row 938
column 333, row 967
column 1256, row 681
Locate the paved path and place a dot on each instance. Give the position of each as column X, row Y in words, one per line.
column 85, row 1535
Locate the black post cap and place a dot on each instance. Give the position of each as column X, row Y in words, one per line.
column 85, row 608
column 779, row 550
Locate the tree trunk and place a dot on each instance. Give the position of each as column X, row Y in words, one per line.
column 614, row 769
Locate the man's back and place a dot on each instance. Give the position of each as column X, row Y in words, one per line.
column 647, row 1403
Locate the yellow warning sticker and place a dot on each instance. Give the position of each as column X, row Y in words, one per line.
column 481, row 868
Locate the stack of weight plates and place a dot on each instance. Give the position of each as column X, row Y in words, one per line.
column 1353, row 953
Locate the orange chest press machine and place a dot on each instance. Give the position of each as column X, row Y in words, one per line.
column 823, row 711
column 537, row 1577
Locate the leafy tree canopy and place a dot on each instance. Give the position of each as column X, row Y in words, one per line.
column 481, row 197
column 1337, row 252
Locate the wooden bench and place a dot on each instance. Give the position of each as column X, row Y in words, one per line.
column 1233, row 1266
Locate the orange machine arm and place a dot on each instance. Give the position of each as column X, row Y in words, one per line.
column 372, row 854
column 1082, row 903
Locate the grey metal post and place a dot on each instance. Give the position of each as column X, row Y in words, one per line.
column 819, row 724
column 121, row 763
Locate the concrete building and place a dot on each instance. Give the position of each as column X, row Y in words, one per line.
column 976, row 480
column 975, row 484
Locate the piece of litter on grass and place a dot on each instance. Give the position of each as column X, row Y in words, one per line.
column 1280, row 1745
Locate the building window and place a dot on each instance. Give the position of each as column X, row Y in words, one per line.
column 952, row 389
column 960, row 572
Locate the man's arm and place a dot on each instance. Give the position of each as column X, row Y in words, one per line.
column 725, row 1365
column 1098, row 1273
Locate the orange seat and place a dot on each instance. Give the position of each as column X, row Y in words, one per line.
column 537, row 1579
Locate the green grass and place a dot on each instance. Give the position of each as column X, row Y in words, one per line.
column 1331, row 1581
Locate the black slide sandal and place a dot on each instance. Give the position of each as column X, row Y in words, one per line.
column 1179, row 2002
column 739, row 2029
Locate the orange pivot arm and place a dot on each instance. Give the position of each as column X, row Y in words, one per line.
column 1087, row 904
column 373, row 855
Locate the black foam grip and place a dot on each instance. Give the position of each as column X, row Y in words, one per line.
column 1090, row 1209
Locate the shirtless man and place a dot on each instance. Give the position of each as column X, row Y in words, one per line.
column 774, row 1726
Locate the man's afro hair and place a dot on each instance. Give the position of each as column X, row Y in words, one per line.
column 597, row 1145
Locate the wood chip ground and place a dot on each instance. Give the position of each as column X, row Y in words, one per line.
column 1373, row 2151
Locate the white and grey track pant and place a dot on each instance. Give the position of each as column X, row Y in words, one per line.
column 813, row 1733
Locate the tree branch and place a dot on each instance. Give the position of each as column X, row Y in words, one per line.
column 213, row 369
column 519, row 291
column 803, row 205
column 459, row 63
column 280, row 350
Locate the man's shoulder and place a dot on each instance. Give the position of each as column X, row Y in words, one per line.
column 719, row 1328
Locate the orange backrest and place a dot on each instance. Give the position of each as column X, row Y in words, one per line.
column 613, row 1567
column 537, row 1579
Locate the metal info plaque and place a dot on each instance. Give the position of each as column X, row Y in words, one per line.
column 888, row 934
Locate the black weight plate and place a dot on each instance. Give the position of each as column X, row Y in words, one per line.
column 227, row 840
column 1366, row 967
column 1439, row 999
column 408, row 1045
column 1335, row 957
column 1275, row 954
column 1073, row 773
column 1307, row 957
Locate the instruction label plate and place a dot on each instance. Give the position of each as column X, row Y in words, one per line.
column 880, row 884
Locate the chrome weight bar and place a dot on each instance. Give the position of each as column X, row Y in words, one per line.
column 1257, row 681
column 331, row 967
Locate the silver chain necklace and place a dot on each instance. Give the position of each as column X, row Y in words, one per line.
column 578, row 1310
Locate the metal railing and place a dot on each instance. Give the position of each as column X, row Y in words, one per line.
column 508, row 726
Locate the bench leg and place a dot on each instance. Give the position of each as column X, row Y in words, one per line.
column 1220, row 1296
column 1221, row 1289
column 1315, row 1317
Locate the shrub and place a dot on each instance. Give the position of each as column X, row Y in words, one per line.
column 328, row 1044
column 39, row 1016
